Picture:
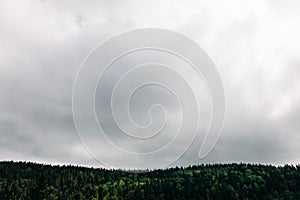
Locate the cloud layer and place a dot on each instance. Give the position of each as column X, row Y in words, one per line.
column 254, row 45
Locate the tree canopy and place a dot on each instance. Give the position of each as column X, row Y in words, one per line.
column 21, row 180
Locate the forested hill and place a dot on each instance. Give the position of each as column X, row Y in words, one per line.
column 20, row 180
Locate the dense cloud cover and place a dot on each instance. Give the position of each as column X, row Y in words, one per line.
column 254, row 45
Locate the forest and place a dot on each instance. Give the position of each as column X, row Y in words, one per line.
column 25, row 180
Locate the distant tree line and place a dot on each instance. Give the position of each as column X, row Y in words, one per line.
column 21, row 180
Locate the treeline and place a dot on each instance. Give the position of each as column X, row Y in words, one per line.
column 20, row 180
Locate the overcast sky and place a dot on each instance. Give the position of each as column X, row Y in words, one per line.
column 255, row 46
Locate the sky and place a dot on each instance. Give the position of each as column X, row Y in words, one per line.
column 254, row 45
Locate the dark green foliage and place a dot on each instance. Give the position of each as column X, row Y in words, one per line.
column 219, row 181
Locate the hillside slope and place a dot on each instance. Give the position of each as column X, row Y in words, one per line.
column 20, row 180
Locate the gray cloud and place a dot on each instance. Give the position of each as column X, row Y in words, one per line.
column 254, row 45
